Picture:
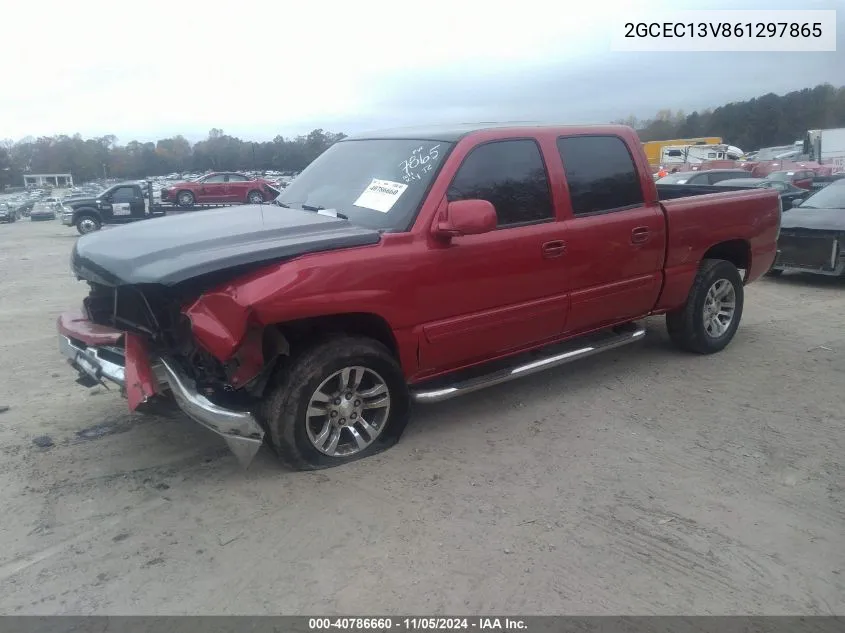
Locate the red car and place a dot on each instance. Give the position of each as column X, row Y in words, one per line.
column 802, row 178
column 411, row 267
column 220, row 188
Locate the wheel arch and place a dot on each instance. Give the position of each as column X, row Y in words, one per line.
column 83, row 211
column 737, row 252
column 307, row 330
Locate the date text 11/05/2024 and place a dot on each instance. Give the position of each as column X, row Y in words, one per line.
column 415, row 624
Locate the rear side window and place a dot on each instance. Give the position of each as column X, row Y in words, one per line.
column 511, row 176
column 601, row 174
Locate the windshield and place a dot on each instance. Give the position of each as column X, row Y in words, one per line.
column 831, row 197
column 376, row 183
column 781, row 175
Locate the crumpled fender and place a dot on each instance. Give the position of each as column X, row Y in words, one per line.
column 219, row 322
column 224, row 324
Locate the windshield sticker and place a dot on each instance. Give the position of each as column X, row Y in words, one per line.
column 420, row 162
column 380, row 195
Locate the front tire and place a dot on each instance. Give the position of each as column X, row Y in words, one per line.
column 87, row 224
column 708, row 320
column 185, row 199
column 336, row 402
column 254, row 197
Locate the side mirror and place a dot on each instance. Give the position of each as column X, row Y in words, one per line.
column 466, row 217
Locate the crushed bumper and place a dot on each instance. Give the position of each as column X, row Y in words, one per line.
column 93, row 351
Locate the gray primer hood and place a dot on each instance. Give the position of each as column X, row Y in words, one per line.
column 814, row 219
column 174, row 249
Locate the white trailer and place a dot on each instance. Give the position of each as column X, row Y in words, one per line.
column 693, row 154
column 827, row 147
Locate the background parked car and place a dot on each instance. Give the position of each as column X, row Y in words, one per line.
column 25, row 209
column 43, row 211
column 8, row 213
column 802, row 178
column 813, row 234
column 790, row 195
column 820, row 182
column 707, row 177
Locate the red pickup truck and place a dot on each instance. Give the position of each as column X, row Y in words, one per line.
column 410, row 266
column 220, row 188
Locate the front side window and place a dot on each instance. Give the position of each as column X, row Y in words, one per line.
column 123, row 194
column 511, row 176
column 601, row 174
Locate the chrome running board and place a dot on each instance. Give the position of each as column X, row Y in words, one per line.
column 579, row 348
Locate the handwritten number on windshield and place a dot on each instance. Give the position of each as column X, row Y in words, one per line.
column 419, row 159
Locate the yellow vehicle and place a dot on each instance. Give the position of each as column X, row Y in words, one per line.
column 654, row 149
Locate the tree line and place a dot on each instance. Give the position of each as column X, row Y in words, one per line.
column 766, row 121
column 102, row 157
column 761, row 122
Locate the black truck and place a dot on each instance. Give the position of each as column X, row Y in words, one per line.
column 119, row 204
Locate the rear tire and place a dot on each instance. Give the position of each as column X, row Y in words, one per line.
column 702, row 325
column 312, row 382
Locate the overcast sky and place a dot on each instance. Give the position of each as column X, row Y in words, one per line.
column 258, row 69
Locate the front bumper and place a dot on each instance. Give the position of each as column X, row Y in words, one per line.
column 67, row 218
column 819, row 253
column 95, row 352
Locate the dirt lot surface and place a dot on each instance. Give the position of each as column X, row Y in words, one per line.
column 642, row 481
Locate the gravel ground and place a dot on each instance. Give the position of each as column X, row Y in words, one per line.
column 642, row 481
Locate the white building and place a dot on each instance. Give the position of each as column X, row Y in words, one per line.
column 40, row 180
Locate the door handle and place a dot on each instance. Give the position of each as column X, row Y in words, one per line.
column 554, row 249
column 640, row 235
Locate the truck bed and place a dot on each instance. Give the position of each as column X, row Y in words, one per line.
column 671, row 192
column 699, row 216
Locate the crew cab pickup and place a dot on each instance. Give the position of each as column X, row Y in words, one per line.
column 410, row 267
column 220, row 188
column 119, row 204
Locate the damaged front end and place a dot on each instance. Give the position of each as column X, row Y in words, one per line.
column 171, row 305
column 138, row 339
